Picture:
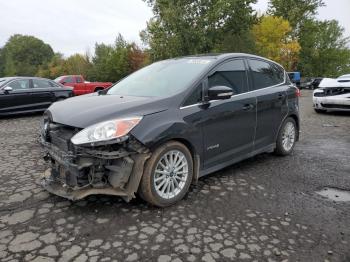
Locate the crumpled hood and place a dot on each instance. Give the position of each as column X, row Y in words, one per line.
column 86, row 110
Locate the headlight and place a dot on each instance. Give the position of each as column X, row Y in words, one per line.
column 105, row 131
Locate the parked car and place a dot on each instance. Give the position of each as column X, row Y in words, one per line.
column 80, row 86
column 311, row 83
column 332, row 95
column 295, row 77
column 168, row 124
column 29, row 94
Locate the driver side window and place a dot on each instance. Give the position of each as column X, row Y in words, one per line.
column 19, row 84
column 231, row 74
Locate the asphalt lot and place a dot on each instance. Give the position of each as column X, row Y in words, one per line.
column 263, row 209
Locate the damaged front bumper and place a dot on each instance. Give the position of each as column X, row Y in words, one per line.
column 111, row 170
column 332, row 99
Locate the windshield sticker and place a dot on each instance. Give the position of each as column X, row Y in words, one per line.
column 198, row 61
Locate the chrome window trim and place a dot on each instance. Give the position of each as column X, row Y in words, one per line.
column 267, row 61
column 211, row 101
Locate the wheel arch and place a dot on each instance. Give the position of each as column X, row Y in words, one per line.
column 98, row 88
column 297, row 122
column 195, row 155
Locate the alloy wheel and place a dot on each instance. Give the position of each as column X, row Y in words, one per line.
column 288, row 136
column 171, row 174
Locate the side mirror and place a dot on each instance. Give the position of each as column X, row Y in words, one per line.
column 8, row 89
column 219, row 93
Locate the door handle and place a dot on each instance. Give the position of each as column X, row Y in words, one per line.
column 248, row 107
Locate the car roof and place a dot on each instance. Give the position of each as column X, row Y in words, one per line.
column 24, row 77
column 223, row 56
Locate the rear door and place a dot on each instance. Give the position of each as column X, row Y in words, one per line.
column 17, row 100
column 269, row 86
column 43, row 93
column 80, row 86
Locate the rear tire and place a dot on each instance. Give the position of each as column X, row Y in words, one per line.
column 287, row 137
column 167, row 175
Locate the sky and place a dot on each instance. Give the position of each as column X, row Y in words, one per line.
column 75, row 26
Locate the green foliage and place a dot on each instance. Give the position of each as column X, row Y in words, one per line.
column 113, row 62
column 184, row 27
column 295, row 11
column 324, row 49
column 23, row 55
column 74, row 65
column 110, row 61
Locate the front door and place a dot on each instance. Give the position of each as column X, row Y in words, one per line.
column 18, row 99
column 42, row 94
column 228, row 126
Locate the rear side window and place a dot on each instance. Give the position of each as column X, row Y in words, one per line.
column 231, row 74
column 78, row 79
column 40, row 83
column 265, row 74
column 68, row 79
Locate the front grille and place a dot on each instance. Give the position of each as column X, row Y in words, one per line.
column 319, row 94
column 60, row 135
column 335, row 106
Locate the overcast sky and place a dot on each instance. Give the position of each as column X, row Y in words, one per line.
column 74, row 26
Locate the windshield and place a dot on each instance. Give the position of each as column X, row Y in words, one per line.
column 163, row 78
column 344, row 76
column 58, row 79
column 3, row 81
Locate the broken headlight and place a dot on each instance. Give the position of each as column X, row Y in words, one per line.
column 106, row 131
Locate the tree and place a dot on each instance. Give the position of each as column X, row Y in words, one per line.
column 54, row 68
column 25, row 54
column 190, row 27
column 113, row 62
column 137, row 58
column 295, row 11
column 325, row 50
column 78, row 65
column 2, row 61
column 273, row 40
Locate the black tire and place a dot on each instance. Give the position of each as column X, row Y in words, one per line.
column 280, row 148
column 320, row 111
column 147, row 190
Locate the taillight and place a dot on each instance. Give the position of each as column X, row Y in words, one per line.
column 297, row 92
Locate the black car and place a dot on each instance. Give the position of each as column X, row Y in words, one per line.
column 168, row 124
column 311, row 83
column 29, row 94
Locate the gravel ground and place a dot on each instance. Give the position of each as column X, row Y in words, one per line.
column 262, row 209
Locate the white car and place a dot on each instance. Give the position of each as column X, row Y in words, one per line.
column 332, row 95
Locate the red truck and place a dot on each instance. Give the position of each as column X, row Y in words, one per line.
column 80, row 86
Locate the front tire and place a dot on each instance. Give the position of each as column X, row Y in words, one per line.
column 167, row 175
column 287, row 137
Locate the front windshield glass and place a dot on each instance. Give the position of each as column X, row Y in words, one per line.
column 58, row 79
column 161, row 79
column 3, row 81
